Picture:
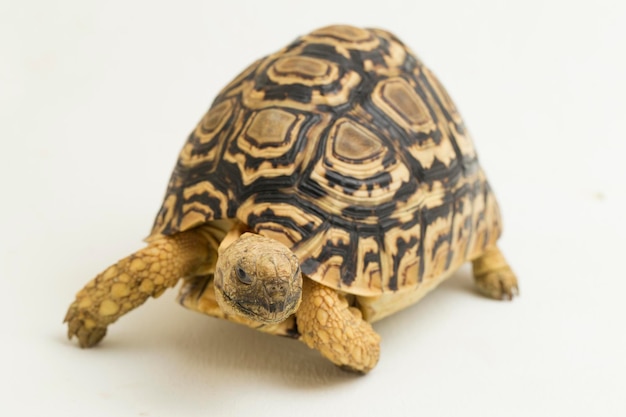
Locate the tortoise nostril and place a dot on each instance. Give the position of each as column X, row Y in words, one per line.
column 276, row 288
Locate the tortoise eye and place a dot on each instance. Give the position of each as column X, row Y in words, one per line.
column 243, row 276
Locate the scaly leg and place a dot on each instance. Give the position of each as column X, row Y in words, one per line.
column 338, row 331
column 493, row 275
column 129, row 283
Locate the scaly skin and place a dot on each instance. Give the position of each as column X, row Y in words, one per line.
column 338, row 331
column 129, row 283
column 493, row 275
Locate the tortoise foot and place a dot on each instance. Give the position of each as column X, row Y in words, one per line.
column 494, row 277
column 84, row 328
column 500, row 284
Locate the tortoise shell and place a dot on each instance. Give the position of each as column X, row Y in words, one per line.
column 347, row 149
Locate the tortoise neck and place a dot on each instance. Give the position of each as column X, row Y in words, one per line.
column 215, row 231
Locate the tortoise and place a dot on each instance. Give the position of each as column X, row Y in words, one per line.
column 330, row 184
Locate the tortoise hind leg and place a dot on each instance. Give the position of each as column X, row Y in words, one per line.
column 493, row 275
column 129, row 283
column 337, row 331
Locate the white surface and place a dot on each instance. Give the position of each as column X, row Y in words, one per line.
column 96, row 100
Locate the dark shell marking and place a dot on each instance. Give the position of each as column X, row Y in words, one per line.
column 347, row 149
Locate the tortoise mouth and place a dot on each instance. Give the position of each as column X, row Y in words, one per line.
column 263, row 310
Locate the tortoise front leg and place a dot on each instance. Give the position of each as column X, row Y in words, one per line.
column 129, row 283
column 338, row 331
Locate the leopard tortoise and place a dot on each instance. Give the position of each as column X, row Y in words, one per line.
column 329, row 185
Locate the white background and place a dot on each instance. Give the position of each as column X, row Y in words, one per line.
column 97, row 98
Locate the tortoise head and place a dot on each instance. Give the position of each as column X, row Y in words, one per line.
column 258, row 278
